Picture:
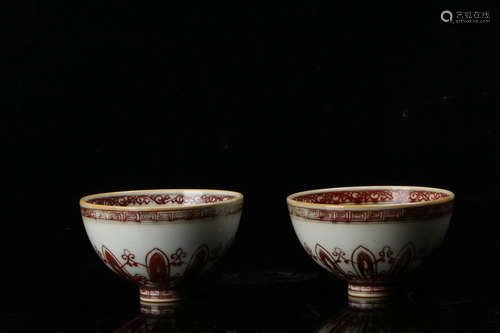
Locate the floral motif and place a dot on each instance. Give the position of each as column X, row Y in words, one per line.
column 157, row 264
column 369, row 196
column 363, row 265
column 177, row 257
column 129, row 258
column 339, row 256
column 386, row 255
column 159, row 199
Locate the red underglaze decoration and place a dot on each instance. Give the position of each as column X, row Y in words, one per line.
column 160, row 199
column 372, row 216
column 159, row 216
column 331, row 263
column 158, row 266
column 368, row 303
column 109, row 258
column 370, row 197
column 419, row 196
column 364, row 266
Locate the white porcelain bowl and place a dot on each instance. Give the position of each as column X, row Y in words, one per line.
column 371, row 236
column 161, row 239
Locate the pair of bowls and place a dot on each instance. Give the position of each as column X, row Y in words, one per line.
column 162, row 240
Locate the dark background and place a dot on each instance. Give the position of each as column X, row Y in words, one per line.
column 266, row 100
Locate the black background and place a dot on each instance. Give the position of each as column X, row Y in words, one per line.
column 265, row 100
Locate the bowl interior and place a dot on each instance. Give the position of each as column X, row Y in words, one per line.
column 163, row 198
column 371, row 195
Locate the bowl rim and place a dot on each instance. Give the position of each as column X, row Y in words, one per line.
column 293, row 202
column 85, row 204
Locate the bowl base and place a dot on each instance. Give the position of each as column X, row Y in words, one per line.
column 155, row 295
column 370, row 291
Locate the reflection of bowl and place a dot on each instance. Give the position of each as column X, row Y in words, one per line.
column 161, row 239
column 166, row 317
column 150, row 324
column 370, row 236
column 383, row 320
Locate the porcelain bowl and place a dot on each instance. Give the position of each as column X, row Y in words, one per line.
column 371, row 236
column 161, row 239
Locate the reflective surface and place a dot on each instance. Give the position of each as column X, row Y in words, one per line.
column 288, row 302
column 56, row 282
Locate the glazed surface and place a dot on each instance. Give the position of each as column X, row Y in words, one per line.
column 161, row 255
column 156, row 216
column 370, row 196
column 371, row 253
column 371, row 204
column 155, row 206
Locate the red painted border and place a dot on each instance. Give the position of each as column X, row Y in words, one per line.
column 337, row 197
column 364, row 266
column 372, row 215
column 372, row 290
column 161, row 215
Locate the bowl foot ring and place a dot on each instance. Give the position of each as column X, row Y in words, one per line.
column 154, row 295
column 370, row 291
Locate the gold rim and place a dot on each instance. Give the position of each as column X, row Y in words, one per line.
column 293, row 202
column 85, row 204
